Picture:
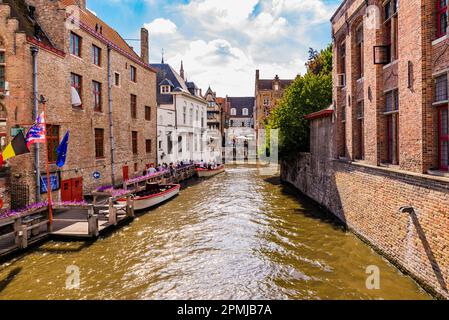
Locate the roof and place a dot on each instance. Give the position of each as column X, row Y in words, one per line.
column 166, row 74
column 268, row 84
column 19, row 10
column 91, row 21
column 320, row 114
column 239, row 103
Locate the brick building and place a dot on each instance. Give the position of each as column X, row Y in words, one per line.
column 268, row 92
column 378, row 156
column 112, row 132
column 391, row 92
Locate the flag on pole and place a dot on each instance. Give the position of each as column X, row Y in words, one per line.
column 17, row 147
column 62, row 150
column 36, row 134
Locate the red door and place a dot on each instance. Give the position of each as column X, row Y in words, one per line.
column 72, row 189
column 77, row 189
column 125, row 173
column 66, row 190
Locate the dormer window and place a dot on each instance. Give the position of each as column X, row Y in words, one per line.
column 233, row 112
column 276, row 87
column 245, row 111
column 165, row 89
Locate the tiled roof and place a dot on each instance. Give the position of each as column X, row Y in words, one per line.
column 91, row 20
column 268, row 84
column 239, row 103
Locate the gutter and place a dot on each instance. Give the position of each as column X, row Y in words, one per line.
column 111, row 127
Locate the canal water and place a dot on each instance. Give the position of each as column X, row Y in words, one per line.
column 239, row 235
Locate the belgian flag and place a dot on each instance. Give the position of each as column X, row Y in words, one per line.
column 17, row 147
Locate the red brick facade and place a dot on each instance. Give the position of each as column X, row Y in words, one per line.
column 399, row 126
column 56, row 67
column 366, row 163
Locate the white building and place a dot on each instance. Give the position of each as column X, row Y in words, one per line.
column 214, row 126
column 182, row 117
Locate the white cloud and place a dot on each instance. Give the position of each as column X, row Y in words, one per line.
column 161, row 26
column 222, row 43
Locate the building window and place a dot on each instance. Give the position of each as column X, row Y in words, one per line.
column 443, row 138
column 99, row 143
column 441, row 88
column 134, row 142
column 441, row 18
column 147, row 113
column 180, row 144
column 2, row 71
column 233, row 112
column 392, row 108
column 165, row 89
column 96, row 55
column 52, row 142
column 77, row 83
column 133, row 106
column 266, row 101
column 96, row 92
column 136, row 167
column 117, row 79
column 184, row 115
column 245, row 111
column 391, row 29
column 360, row 51
column 360, row 131
column 133, row 74
column 202, row 119
column 191, row 116
column 169, row 143
column 342, row 56
column 148, row 147
column 75, row 44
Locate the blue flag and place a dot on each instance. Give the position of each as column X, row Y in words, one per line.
column 62, row 151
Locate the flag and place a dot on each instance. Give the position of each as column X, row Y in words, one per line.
column 62, row 150
column 36, row 134
column 17, row 147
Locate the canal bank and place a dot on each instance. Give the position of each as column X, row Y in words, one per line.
column 238, row 235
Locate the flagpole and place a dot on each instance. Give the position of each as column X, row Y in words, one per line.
column 50, row 206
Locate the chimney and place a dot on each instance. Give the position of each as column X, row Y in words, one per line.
column 257, row 75
column 144, row 46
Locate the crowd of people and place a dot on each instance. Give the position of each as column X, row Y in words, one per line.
column 210, row 165
column 172, row 167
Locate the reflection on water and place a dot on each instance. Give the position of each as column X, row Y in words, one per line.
column 236, row 236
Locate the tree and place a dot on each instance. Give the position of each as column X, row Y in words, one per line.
column 309, row 93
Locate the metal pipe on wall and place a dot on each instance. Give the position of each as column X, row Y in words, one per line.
column 34, row 53
column 111, row 128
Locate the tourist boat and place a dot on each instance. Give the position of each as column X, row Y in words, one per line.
column 206, row 173
column 153, row 195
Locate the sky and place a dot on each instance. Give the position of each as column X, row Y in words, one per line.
column 223, row 42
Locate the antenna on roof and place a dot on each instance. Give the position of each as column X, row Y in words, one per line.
column 162, row 55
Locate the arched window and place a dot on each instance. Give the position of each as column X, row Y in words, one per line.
column 233, row 112
column 245, row 111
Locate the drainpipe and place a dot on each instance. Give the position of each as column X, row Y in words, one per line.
column 34, row 52
column 111, row 129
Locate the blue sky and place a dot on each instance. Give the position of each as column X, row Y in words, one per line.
column 223, row 42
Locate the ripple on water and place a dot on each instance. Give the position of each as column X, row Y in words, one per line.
column 235, row 236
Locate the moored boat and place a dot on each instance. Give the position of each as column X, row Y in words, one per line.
column 206, row 173
column 153, row 195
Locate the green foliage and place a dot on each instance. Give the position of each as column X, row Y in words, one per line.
column 309, row 93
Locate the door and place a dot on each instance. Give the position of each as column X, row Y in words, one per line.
column 125, row 173
column 72, row 189
column 66, row 190
column 77, row 189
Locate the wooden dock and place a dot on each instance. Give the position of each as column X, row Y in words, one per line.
column 79, row 222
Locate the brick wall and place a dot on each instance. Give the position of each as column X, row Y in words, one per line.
column 368, row 198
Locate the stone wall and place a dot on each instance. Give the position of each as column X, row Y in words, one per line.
column 368, row 200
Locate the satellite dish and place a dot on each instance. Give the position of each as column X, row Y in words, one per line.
column 76, row 100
